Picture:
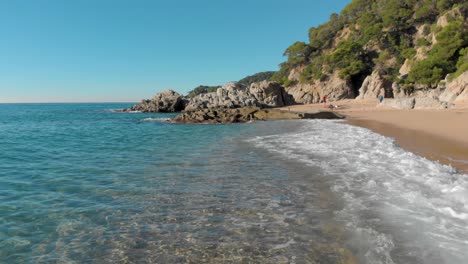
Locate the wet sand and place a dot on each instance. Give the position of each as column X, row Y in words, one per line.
column 440, row 135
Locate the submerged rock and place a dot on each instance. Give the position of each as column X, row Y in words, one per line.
column 246, row 114
column 165, row 101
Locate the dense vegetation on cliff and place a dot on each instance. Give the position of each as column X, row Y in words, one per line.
column 258, row 77
column 201, row 89
column 412, row 42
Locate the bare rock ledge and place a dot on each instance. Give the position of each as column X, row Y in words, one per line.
column 247, row 114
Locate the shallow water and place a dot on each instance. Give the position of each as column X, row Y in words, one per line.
column 82, row 184
column 398, row 207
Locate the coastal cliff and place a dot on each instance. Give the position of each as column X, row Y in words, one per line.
column 397, row 49
column 412, row 52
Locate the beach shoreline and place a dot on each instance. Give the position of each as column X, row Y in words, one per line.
column 437, row 134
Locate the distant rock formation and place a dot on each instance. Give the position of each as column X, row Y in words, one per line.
column 236, row 95
column 245, row 114
column 165, row 101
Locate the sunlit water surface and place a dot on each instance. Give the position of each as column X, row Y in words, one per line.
column 80, row 183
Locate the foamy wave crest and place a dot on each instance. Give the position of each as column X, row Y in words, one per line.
column 159, row 119
column 120, row 110
column 399, row 207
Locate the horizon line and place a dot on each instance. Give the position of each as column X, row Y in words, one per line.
column 65, row 102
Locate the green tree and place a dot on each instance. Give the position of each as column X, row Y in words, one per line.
column 297, row 53
column 257, row 77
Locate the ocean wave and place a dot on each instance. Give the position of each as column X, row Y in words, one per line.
column 119, row 110
column 394, row 200
column 158, row 119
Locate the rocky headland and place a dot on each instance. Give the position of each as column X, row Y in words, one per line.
column 235, row 102
column 415, row 56
column 232, row 103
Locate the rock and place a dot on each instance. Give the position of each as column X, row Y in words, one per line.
column 246, row 114
column 430, row 103
column 270, row 94
column 235, row 95
column 445, row 19
column 405, row 68
column 333, row 87
column 415, row 103
column 456, row 90
column 397, row 91
column 402, row 103
column 375, row 85
column 165, row 101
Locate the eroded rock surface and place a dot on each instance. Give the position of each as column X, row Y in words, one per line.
column 165, row 101
column 375, row 85
column 333, row 87
column 456, row 90
column 235, row 95
column 245, row 114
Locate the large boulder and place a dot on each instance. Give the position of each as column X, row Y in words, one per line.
column 270, row 94
column 402, row 103
column 235, row 95
column 332, row 86
column 375, row 85
column 456, row 90
column 165, row 101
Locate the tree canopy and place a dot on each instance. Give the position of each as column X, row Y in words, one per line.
column 382, row 34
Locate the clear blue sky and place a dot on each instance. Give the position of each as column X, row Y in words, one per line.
column 125, row 50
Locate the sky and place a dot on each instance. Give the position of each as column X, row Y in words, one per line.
column 127, row 50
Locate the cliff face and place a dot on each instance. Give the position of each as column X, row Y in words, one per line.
column 457, row 90
column 397, row 49
column 333, row 87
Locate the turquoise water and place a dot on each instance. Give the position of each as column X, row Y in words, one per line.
column 81, row 183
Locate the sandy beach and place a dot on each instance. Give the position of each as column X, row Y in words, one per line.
column 437, row 134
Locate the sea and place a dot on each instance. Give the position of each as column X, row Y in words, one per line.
column 84, row 183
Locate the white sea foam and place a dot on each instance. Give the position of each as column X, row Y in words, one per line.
column 159, row 119
column 395, row 201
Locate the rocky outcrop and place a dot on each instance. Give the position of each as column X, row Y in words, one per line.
column 165, row 101
column 375, row 85
column 414, row 103
column 398, row 92
column 456, row 90
column 246, row 114
column 405, row 68
column 430, row 103
column 402, row 103
column 270, row 94
column 235, row 95
column 333, row 87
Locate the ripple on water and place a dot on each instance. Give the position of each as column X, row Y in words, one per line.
column 80, row 184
